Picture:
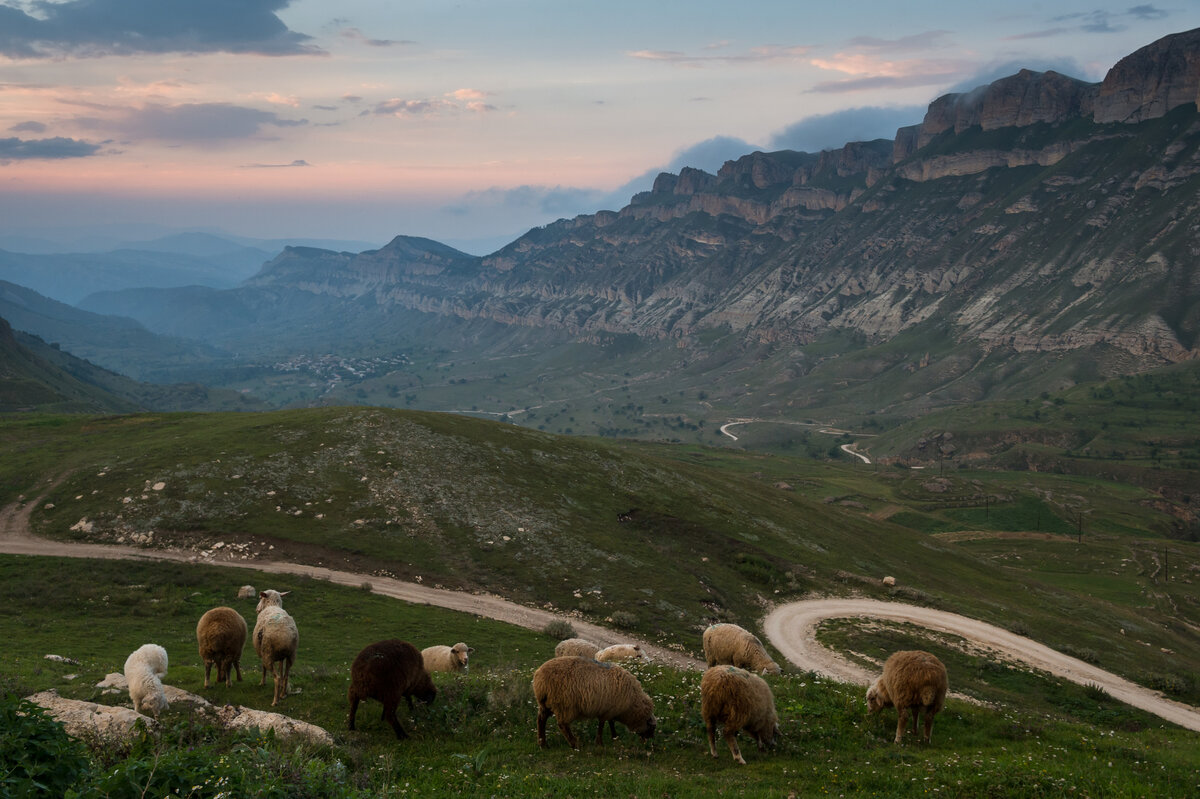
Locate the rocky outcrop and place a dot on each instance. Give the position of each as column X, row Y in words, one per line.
column 1152, row 81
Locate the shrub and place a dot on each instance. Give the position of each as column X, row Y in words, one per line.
column 37, row 757
column 624, row 619
column 560, row 629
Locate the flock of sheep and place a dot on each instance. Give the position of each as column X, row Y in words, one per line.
column 582, row 681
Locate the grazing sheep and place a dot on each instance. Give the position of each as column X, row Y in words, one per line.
column 386, row 671
column 618, row 652
column 576, row 646
column 889, row 581
column 247, row 592
column 221, row 635
column 573, row 687
column 729, row 644
column 144, row 669
column 447, row 658
column 914, row 680
column 275, row 641
column 738, row 700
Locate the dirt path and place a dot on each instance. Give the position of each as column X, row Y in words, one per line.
column 16, row 539
column 792, row 629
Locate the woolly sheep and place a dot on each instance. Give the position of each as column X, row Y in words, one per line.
column 275, row 640
column 386, row 671
column 576, row 646
column 247, row 592
column 573, row 687
column 738, row 700
column 221, row 636
column 729, row 644
column 889, row 581
column 618, row 652
column 144, row 669
column 914, row 680
column 447, row 658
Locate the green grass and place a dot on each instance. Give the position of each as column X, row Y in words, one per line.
column 477, row 738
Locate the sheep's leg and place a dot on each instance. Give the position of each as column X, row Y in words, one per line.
column 408, row 698
column 207, row 669
column 928, row 726
column 712, row 737
column 353, row 710
column 543, row 714
column 901, row 723
column 612, row 727
column 731, row 739
column 389, row 715
column 237, row 664
column 570, row 736
column 599, row 732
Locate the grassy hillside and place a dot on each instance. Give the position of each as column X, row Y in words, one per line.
column 478, row 737
column 660, row 540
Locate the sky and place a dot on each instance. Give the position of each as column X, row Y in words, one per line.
column 471, row 121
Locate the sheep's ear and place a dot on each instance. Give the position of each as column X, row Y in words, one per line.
column 283, row 593
column 470, row 649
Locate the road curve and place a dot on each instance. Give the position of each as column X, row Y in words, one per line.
column 16, row 539
column 792, row 628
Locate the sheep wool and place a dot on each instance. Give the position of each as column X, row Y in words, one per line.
column 387, row 671
column 729, row 644
column 144, row 669
column 571, row 688
column 447, row 658
column 912, row 680
column 275, row 641
column 738, row 700
column 576, row 646
column 618, row 652
column 221, row 636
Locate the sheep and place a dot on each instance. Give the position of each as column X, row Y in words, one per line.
column 738, row 700
column 144, row 669
column 576, row 646
column 889, row 581
column 574, row 687
column 914, row 680
column 729, row 644
column 447, row 658
column 246, row 592
column 221, row 636
column 386, row 671
column 620, row 652
column 275, row 640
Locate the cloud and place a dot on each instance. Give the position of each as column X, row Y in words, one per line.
column 94, row 28
column 297, row 162
column 832, row 131
column 452, row 103
column 28, row 127
column 44, row 149
column 1003, row 69
column 918, row 42
column 1147, row 12
column 869, row 64
column 1103, row 21
column 1042, row 34
column 194, row 123
column 355, row 35
column 708, row 155
column 765, row 54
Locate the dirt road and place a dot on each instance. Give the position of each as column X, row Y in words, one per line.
column 792, row 629
column 16, row 539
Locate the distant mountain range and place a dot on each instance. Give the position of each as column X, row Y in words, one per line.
column 1032, row 233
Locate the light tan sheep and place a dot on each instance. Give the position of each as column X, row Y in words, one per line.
column 221, row 636
column 447, row 658
column 911, row 680
column 275, row 640
column 572, row 687
column 889, row 581
column 738, row 700
column 144, row 669
column 618, row 652
column 729, row 644
column 576, row 646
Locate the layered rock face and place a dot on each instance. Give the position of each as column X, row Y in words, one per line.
column 1152, row 81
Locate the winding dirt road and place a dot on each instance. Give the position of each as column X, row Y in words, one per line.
column 792, row 628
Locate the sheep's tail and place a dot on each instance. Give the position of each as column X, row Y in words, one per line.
column 928, row 695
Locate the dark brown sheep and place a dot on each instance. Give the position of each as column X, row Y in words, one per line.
column 738, row 700
column 911, row 680
column 571, row 688
column 387, row 671
column 221, row 635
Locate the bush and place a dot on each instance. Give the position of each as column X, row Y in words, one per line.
column 37, row 757
column 560, row 629
column 624, row 619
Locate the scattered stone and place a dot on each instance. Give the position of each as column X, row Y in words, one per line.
column 159, row 486
column 243, row 718
column 89, row 720
column 61, row 659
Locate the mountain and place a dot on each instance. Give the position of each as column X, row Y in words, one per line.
column 1028, row 234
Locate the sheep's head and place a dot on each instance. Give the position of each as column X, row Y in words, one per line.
column 877, row 698
column 462, row 653
column 771, row 668
column 270, row 599
column 647, row 729
column 154, row 704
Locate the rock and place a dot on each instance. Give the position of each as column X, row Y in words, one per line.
column 89, row 720
column 889, row 581
column 1149, row 82
column 243, row 718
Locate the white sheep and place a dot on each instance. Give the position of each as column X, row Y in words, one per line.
column 889, row 581
column 275, row 640
column 738, row 700
column 729, row 644
column 571, row 688
column 144, row 669
column 576, row 646
column 447, row 658
column 618, row 652
column 911, row 680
